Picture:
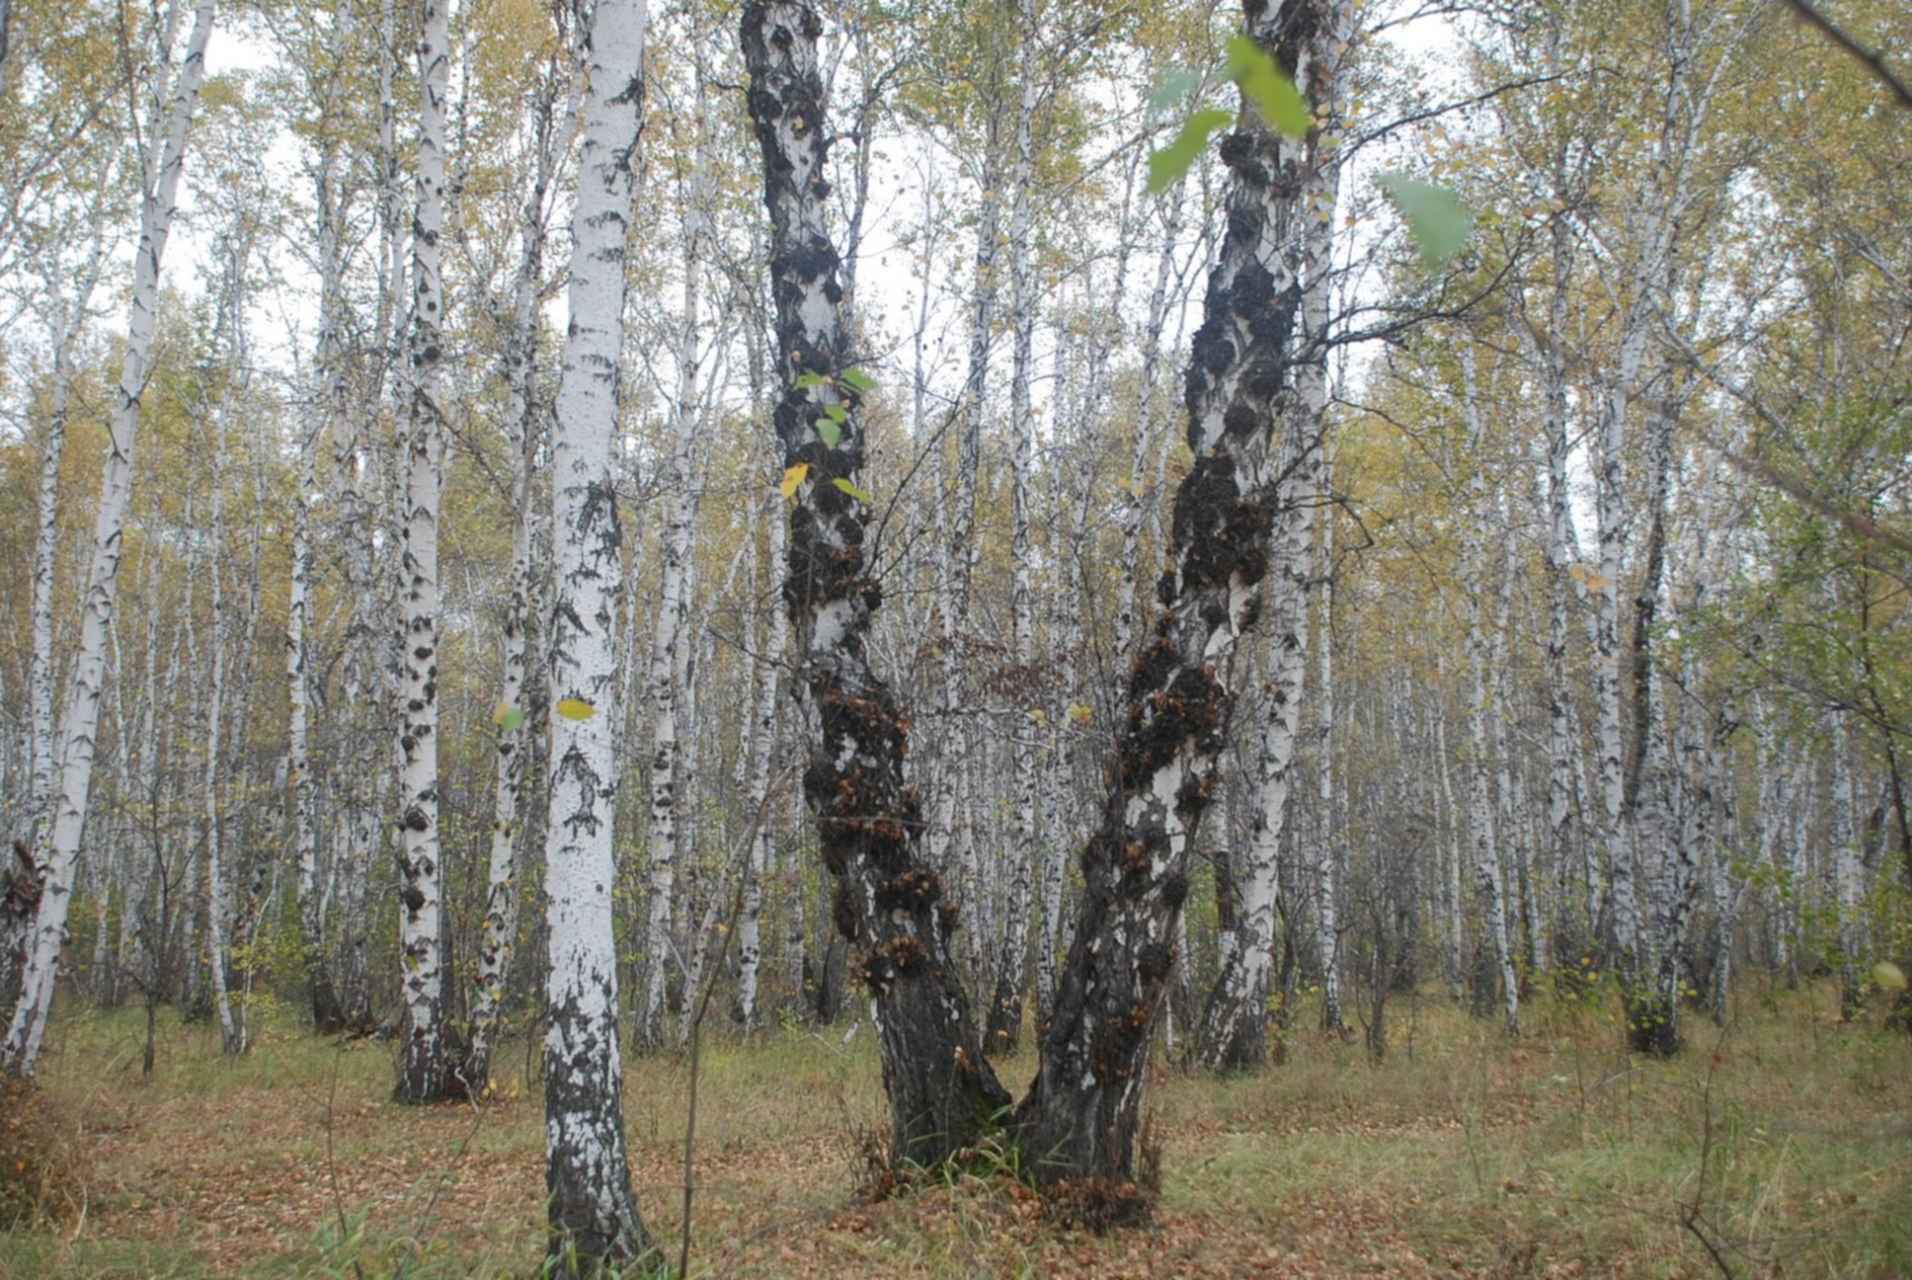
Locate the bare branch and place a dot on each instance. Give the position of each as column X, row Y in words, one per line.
column 1873, row 60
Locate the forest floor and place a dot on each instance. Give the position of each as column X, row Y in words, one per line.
column 1783, row 1146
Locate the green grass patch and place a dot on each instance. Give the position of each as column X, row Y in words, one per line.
column 1786, row 1142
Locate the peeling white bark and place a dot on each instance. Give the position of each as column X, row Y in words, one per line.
column 591, row 1208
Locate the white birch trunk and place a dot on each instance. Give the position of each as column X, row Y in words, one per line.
column 58, row 857
column 1483, row 839
column 591, row 1210
column 424, row 1056
column 757, row 790
column 1847, row 874
column 1005, row 1014
column 1450, row 849
column 69, row 314
column 1327, row 858
column 1234, row 1032
column 665, row 681
column 303, row 802
column 217, row 910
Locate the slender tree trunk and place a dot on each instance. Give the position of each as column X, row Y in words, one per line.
column 524, row 414
column 424, row 1060
column 591, row 1211
column 941, row 1091
column 1484, row 840
column 758, row 807
column 57, row 859
column 1668, row 865
column 327, row 1017
column 1328, row 852
column 1082, row 1116
column 217, row 895
column 1234, row 1033
column 1005, row 1012
column 69, row 313
column 1562, row 547
column 667, row 686
column 1846, row 875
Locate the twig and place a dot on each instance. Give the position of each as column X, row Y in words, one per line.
column 1754, row 464
column 713, row 966
column 1871, row 58
column 1690, row 1214
column 332, row 1165
column 424, row 1214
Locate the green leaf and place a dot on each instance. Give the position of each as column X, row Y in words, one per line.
column 1435, row 216
column 858, row 381
column 861, row 495
column 1167, row 166
column 1175, row 85
column 1273, row 93
column 827, row 426
column 807, row 381
column 511, row 719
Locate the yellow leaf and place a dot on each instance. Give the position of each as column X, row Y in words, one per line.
column 1888, row 976
column 792, row 478
column 1081, row 713
column 1587, row 578
column 575, row 709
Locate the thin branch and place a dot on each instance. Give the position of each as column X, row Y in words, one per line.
column 1871, row 58
column 1754, row 466
column 713, row 966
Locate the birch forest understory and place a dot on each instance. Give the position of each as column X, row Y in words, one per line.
column 1325, row 582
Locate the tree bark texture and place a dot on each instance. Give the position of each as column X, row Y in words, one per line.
column 1082, row 1117
column 425, row 1054
column 57, row 859
column 889, row 903
column 591, row 1212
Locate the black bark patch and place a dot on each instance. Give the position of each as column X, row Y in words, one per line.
column 849, row 920
column 1154, row 961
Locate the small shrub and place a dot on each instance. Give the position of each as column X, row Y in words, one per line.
column 874, row 1169
column 43, row 1167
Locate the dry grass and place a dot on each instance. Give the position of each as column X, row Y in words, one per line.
column 1787, row 1143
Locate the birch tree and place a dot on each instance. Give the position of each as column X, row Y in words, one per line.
column 1005, row 1010
column 71, row 300
column 1484, row 841
column 1084, row 1110
column 549, row 137
column 425, row 1059
column 1234, row 1034
column 666, row 684
column 889, row 903
column 592, row 1214
column 173, row 92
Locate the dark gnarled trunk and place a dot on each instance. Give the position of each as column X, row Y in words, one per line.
column 889, row 903
column 1083, row 1117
